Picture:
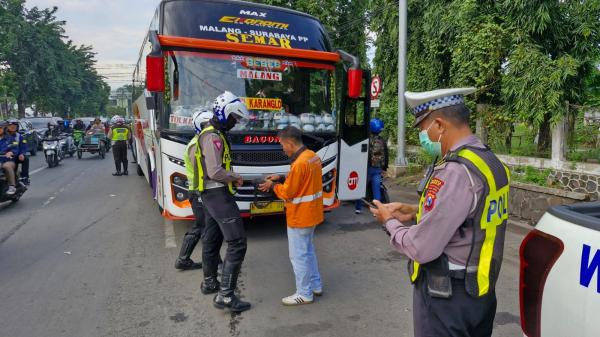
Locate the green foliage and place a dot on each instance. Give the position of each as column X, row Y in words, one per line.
column 39, row 68
column 531, row 175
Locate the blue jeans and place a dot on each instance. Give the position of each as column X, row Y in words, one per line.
column 373, row 178
column 304, row 260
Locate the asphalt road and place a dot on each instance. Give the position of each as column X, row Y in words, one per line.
column 87, row 254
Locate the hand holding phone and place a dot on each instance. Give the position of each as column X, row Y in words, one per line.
column 368, row 203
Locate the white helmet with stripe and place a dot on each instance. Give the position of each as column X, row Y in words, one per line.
column 201, row 118
column 228, row 104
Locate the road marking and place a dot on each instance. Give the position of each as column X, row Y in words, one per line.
column 38, row 170
column 169, row 234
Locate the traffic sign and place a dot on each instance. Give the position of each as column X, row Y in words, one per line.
column 375, row 87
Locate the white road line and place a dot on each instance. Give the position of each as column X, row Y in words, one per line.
column 169, row 234
column 38, row 170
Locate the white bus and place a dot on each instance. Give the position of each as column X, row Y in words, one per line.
column 281, row 63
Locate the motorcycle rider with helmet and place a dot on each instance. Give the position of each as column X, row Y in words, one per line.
column 22, row 159
column 9, row 149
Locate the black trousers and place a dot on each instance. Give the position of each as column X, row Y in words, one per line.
column 199, row 214
column 458, row 316
column 120, row 154
column 223, row 222
column 24, row 167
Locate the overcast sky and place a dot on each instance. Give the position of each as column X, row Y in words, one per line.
column 114, row 28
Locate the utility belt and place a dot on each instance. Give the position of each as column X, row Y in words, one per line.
column 437, row 276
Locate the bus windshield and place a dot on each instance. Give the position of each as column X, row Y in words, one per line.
column 277, row 92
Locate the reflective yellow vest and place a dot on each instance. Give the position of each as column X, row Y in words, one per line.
column 120, row 133
column 490, row 217
column 195, row 173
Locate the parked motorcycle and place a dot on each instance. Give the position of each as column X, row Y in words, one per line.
column 21, row 188
column 54, row 150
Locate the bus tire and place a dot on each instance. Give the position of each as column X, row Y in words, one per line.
column 139, row 171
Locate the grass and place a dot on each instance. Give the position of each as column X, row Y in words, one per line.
column 531, row 175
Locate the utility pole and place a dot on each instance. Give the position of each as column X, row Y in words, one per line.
column 402, row 16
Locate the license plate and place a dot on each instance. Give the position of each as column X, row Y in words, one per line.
column 271, row 207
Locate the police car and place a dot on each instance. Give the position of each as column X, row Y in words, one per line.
column 560, row 273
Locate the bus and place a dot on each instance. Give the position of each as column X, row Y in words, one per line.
column 280, row 62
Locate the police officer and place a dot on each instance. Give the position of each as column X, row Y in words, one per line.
column 119, row 134
column 216, row 183
column 191, row 238
column 457, row 243
column 22, row 158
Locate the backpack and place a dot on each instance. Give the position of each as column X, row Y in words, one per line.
column 377, row 152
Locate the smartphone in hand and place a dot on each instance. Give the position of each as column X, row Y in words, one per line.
column 368, row 203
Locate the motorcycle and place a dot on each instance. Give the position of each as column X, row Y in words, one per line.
column 68, row 144
column 54, row 150
column 21, row 188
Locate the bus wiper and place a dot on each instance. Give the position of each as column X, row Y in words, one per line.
column 175, row 78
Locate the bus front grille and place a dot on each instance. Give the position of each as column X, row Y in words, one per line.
column 259, row 158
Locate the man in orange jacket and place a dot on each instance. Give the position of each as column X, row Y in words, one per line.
column 302, row 192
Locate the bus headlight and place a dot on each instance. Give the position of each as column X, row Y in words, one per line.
column 178, row 181
column 180, row 196
column 327, row 188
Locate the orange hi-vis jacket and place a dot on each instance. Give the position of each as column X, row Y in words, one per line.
column 302, row 191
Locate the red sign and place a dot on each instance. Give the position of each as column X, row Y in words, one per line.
column 353, row 180
column 375, row 87
column 261, row 139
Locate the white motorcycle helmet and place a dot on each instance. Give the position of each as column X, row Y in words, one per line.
column 307, row 118
column 114, row 119
column 201, row 118
column 330, row 127
column 321, row 127
column 328, row 118
column 228, row 104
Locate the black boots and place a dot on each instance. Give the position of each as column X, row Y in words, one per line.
column 226, row 298
column 117, row 174
column 210, row 285
column 187, row 247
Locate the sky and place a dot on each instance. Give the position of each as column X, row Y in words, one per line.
column 114, row 28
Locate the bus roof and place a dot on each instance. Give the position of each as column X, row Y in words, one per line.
column 242, row 22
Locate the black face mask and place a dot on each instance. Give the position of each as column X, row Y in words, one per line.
column 231, row 121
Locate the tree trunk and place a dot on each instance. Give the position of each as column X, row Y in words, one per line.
column 508, row 139
column 544, row 135
column 21, row 105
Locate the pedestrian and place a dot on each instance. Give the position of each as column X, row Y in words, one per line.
column 216, row 183
column 120, row 135
column 378, row 161
column 456, row 246
column 302, row 192
column 191, row 238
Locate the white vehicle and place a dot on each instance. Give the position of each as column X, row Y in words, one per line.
column 185, row 68
column 560, row 273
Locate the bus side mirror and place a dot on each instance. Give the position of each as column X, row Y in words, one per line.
column 354, row 82
column 155, row 73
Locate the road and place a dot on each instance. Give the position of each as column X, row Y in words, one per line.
column 87, row 254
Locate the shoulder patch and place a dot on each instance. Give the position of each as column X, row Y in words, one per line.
column 218, row 143
column 435, row 185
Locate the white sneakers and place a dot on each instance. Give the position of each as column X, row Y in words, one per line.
column 296, row 299
column 11, row 190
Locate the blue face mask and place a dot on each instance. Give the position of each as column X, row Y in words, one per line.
column 432, row 148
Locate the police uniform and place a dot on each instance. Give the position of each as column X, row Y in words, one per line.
column 457, row 244
column 120, row 135
column 214, row 182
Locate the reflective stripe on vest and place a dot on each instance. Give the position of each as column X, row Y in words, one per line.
column 307, row 198
column 120, row 134
column 226, row 159
column 493, row 214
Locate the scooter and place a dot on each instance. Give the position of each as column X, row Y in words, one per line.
column 68, row 144
column 21, row 188
column 53, row 149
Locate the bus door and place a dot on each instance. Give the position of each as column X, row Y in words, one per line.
column 353, row 145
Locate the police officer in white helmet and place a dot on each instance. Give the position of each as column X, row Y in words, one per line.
column 216, row 185
column 190, row 239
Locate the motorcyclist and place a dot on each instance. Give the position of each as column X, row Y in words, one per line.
column 120, row 135
column 22, row 159
column 53, row 131
column 191, row 238
column 79, row 125
column 9, row 149
column 216, row 188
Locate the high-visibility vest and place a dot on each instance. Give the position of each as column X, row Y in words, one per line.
column 195, row 173
column 120, row 133
column 491, row 215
